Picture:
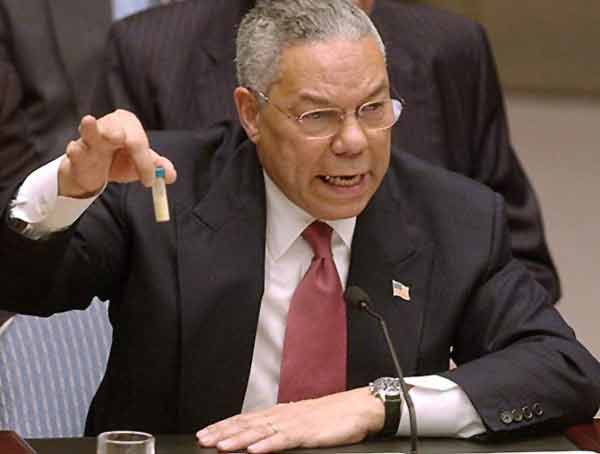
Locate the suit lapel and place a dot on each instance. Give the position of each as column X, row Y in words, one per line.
column 80, row 30
column 386, row 247
column 221, row 275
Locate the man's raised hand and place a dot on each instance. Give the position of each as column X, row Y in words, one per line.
column 112, row 148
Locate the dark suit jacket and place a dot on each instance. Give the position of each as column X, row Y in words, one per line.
column 49, row 53
column 174, row 67
column 185, row 295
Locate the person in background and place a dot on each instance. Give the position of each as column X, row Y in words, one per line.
column 50, row 52
column 174, row 68
column 231, row 318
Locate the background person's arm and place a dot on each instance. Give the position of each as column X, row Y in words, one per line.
column 496, row 164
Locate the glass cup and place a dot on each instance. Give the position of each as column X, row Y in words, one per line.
column 125, row 442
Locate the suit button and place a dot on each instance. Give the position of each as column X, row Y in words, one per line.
column 537, row 409
column 527, row 413
column 506, row 417
column 517, row 415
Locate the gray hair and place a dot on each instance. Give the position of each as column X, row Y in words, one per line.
column 273, row 25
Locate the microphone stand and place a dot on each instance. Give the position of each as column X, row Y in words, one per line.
column 409, row 403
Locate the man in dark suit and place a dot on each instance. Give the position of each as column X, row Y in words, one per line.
column 202, row 306
column 174, row 68
column 49, row 54
column 49, row 57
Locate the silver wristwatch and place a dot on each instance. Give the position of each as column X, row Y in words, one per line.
column 388, row 390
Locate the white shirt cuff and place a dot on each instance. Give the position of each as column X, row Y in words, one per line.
column 38, row 203
column 442, row 409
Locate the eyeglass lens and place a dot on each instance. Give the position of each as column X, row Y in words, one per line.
column 374, row 115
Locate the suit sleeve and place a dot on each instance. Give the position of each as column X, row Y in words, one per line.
column 69, row 267
column 519, row 362
column 497, row 165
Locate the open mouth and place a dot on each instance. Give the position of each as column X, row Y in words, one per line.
column 341, row 180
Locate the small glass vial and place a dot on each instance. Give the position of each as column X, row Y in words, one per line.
column 159, row 196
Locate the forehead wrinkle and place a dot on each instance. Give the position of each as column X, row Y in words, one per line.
column 320, row 73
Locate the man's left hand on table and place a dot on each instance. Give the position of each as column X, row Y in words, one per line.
column 341, row 418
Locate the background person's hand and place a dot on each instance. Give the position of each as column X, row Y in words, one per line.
column 338, row 419
column 112, row 148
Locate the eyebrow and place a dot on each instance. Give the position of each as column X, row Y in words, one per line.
column 326, row 102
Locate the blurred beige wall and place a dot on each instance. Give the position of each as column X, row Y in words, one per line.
column 542, row 46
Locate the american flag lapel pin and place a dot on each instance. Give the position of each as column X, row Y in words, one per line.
column 400, row 290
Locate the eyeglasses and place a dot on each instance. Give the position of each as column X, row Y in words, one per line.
column 325, row 123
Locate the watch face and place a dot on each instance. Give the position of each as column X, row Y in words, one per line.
column 388, row 386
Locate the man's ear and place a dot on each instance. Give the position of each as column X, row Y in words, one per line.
column 247, row 107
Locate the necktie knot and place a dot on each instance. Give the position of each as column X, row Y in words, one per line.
column 318, row 235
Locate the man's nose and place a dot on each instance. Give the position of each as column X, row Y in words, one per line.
column 351, row 139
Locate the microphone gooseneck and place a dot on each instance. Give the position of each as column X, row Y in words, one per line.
column 359, row 299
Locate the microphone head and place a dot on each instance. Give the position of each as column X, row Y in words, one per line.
column 356, row 297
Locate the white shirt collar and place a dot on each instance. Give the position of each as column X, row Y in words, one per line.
column 286, row 222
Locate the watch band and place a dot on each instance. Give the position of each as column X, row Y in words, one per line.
column 393, row 411
column 389, row 391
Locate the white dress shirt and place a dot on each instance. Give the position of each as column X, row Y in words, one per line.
column 124, row 8
column 442, row 408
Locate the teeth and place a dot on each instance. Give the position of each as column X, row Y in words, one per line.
column 342, row 180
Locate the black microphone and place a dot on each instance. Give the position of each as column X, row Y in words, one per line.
column 358, row 298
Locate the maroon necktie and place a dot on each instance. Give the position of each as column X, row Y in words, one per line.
column 313, row 363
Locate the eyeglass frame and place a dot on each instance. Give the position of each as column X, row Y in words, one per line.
column 341, row 117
